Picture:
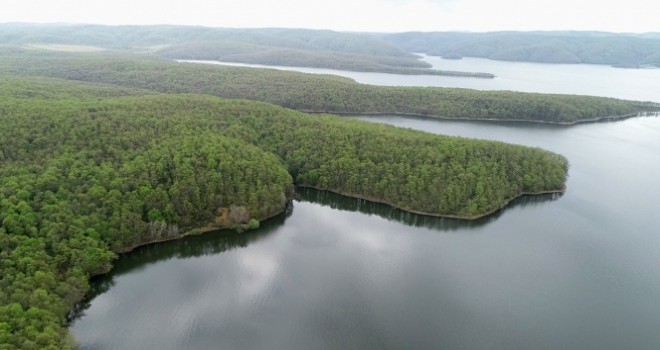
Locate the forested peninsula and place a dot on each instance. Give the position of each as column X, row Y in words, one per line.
column 103, row 152
column 88, row 170
column 316, row 93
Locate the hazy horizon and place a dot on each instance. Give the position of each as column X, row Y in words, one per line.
column 335, row 30
column 386, row 16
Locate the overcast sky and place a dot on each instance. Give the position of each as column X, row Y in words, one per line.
column 351, row 15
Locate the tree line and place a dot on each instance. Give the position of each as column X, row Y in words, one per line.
column 90, row 170
column 318, row 93
column 617, row 49
column 293, row 47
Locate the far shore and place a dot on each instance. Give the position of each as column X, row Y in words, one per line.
column 385, row 70
column 430, row 116
column 446, row 216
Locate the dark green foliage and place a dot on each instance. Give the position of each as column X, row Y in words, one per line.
column 79, row 182
column 318, row 93
column 631, row 50
column 411, row 170
column 86, row 173
column 93, row 167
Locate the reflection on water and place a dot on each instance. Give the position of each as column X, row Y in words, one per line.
column 576, row 273
column 336, row 201
column 223, row 241
column 193, row 246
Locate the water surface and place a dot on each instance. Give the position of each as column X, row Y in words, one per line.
column 573, row 271
column 577, row 79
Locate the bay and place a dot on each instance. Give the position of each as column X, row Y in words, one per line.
column 574, row 271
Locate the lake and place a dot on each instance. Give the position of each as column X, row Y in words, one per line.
column 574, row 271
column 577, row 79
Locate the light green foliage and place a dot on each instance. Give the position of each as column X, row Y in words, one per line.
column 90, row 170
column 80, row 182
column 253, row 224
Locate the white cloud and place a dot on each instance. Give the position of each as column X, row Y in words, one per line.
column 364, row 15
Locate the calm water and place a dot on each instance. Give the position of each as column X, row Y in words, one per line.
column 573, row 271
column 583, row 79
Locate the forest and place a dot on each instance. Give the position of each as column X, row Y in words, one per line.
column 88, row 170
column 378, row 52
column 287, row 47
column 101, row 152
column 314, row 93
column 619, row 50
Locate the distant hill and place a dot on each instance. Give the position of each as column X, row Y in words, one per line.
column 364, row 52
column 314, row 92
column 626, row 50
column 269, row 46
column 283, row 47
column 157, row 37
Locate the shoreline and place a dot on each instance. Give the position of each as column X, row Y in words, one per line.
column 434, row 117
column 207, row 228
column 446, row 216
column 188, row 233
column 392, row 70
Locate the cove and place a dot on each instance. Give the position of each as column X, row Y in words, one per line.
column 578, row 270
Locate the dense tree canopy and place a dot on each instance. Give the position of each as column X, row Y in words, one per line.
column 316, row 93
column 100, row 153
column 89, row 170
